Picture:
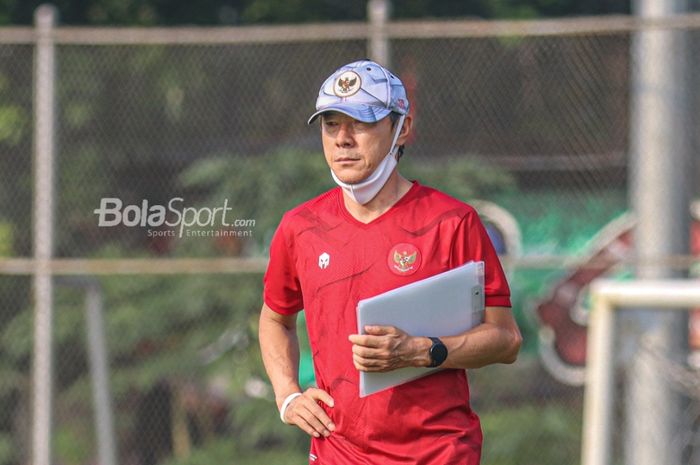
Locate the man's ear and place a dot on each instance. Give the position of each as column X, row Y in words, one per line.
column 405, row 129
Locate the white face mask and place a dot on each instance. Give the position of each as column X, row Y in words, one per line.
column 364, row 191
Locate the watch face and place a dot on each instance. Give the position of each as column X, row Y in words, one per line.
column 438, row 353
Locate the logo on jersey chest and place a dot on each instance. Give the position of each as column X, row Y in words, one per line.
column 404, row 259
column 324, row 260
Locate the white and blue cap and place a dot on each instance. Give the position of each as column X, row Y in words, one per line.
column 363, row 90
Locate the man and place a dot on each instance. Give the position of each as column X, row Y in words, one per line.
column 375, row 232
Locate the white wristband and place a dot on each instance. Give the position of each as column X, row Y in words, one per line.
column 286, row 403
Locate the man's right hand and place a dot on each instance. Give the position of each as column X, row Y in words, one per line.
column 307, row 414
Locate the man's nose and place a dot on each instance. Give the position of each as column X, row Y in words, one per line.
column 344, row 136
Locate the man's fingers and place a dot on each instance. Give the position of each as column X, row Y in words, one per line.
column 305, row 419
column 380, row 330
column 313, row 419
column 359, row 363
column 306, row 427
column 368, row 364
column 321, row 395
column 367, row 341
column 370, row 353
column 307, row 414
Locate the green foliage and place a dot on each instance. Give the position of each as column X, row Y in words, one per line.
column 459, row 176
column 164, row 323
column 17, row 338
column 152, row 12
column 509, row 435
column 224, row 451
column 10, row 379
column 296, row 11
column 261, row 187
column 13, row 124
column 7, row 448
column 72, row 446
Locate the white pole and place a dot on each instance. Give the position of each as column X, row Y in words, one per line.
column 608, row 297
column 97, row 351
column 378, row 12
column 660, row 180
column 598, row 397
column 44, row 76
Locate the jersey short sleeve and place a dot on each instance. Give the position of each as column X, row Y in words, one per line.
column 282, row 291
column 472, row 243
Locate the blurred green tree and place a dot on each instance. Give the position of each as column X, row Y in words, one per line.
column 170, row 12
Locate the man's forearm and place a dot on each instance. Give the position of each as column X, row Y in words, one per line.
column 484, row 345
column 279, row 346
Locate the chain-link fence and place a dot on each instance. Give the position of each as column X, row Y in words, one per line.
column 533, row 117
column 680, row 384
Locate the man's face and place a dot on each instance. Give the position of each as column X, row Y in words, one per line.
column 353, row 149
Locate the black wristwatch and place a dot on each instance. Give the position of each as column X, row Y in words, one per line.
column 438, row 352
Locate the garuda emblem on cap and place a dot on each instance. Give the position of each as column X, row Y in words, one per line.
column 404, row 259
column 347, row 84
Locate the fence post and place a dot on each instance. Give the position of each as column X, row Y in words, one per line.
column 378, row 12
column 600, row 375
column 660, row 181
column 43, row 209
column 99, row 372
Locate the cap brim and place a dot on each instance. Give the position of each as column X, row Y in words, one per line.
column 364, row 113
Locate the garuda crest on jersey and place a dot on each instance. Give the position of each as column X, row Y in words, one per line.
column 404, row 259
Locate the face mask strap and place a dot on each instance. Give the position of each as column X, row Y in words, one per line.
column 394, row 149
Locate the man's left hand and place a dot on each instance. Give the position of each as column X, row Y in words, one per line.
column 387, row 348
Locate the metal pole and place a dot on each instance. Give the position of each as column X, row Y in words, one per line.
column 660, row 180
column 44, row 76
column 378, row 12
column 97, row 352
column 598, row 400
column 608, row 297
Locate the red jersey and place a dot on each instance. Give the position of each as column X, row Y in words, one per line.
column 324, row 261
